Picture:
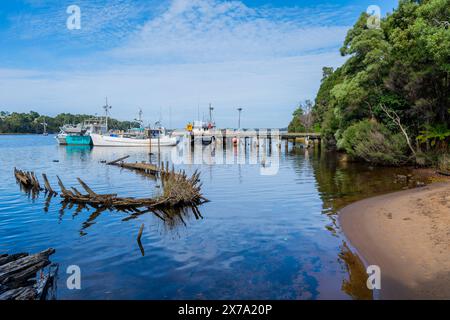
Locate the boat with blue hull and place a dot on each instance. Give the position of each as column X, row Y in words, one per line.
column 80, row 135
column 78, row 140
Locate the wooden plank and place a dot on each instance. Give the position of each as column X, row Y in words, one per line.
column 117, row 160
column 17, row 275
column 8, row 258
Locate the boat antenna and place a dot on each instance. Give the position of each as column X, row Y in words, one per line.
column 107, row 107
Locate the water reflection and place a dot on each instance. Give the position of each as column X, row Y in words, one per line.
column 355, row 285
column 171, row 217
column 341, row 183
column 262, row 237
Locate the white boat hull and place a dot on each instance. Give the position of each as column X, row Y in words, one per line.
column 61, row 139
column 111, row 141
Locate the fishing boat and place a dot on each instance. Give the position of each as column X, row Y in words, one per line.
column 68, row 130
column 94, row 125
column 80, row 135
column 61, row 138
column 135, row 138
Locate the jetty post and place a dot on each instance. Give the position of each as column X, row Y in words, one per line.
column 159, row 150
column 150, row 143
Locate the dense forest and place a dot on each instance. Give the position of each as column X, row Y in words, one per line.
column 32, row 122
column 389, row 103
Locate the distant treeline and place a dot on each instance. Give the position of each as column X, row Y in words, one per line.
column 32, row 122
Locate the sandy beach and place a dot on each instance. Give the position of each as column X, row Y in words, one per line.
column 407, row 234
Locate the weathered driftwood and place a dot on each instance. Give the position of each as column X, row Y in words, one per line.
column 117, row 160
column 47, row 186
column 27, row 179
column 181, row 195
column 179, row 190
column 18, row 275
column 138, row 166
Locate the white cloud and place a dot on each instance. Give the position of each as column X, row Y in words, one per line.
column 267, row 89
column 193, row 52
column 211, row 30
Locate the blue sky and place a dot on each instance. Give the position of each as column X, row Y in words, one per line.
column 172, row 57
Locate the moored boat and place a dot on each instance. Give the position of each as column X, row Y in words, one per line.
column 84, row 140
column 144, row 138
column 203, row 132
column 69, row 130
column 80, row 134
column 61, row 138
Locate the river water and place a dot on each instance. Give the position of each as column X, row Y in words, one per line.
column 264, row 234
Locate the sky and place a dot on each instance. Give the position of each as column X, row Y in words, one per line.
column 171, row 58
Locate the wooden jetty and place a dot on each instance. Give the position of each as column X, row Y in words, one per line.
column 258, row 133
column 19, row 279
column 224, row 135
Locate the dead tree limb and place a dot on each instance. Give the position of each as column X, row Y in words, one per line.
column 396, row 119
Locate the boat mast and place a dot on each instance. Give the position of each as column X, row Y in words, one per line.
column 107, row 107
column 210, row 113
column 45, row 126
column 139, row 119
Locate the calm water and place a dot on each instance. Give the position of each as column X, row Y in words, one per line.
column 261, row 236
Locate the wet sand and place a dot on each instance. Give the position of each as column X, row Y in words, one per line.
column 407, row 234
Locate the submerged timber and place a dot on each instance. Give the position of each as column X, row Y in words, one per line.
column 18, row 279
column 179, row 190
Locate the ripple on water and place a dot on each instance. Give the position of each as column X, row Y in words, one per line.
column 261, row 236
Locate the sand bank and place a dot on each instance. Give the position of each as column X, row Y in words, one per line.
column 407, row 234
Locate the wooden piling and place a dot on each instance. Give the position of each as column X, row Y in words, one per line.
column 47, row 186
column 141, row 229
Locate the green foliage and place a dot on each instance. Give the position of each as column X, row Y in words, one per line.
column 32, row 122
column 443, row 163
column 434, row 134
column 302, row 118
column 403, row 65
column 296, row 125
column 371, row 141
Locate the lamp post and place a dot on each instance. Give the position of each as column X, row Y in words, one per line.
column 239, row 119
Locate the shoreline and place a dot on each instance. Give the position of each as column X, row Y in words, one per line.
column 22, row 134
column 406, row 234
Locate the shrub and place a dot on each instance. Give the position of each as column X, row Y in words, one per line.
column 443, row 163
column 370, row 141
